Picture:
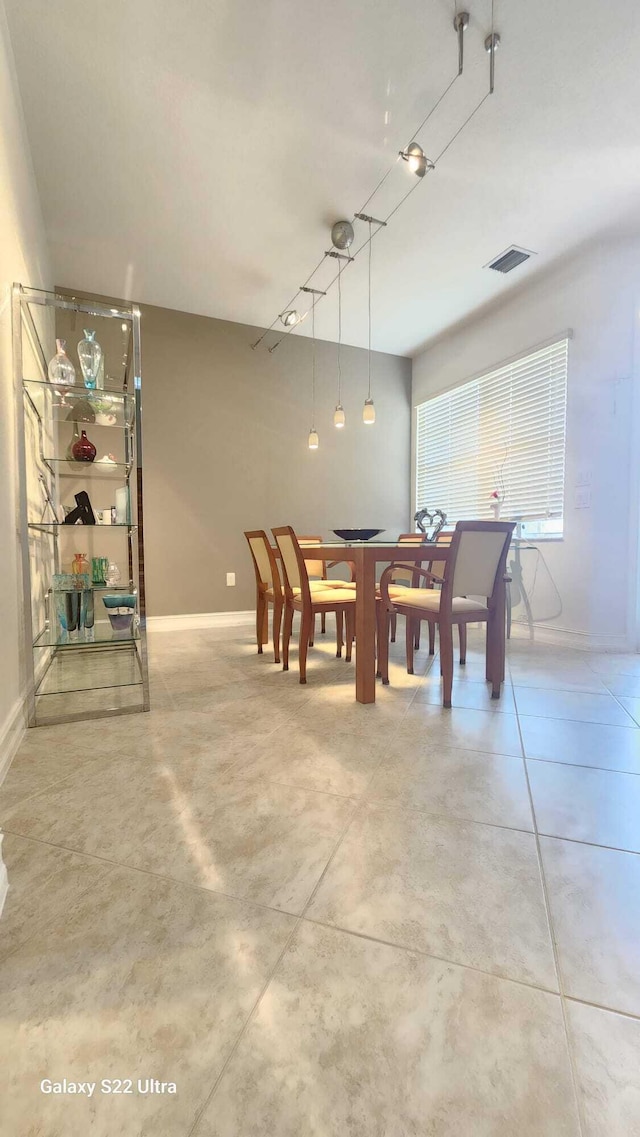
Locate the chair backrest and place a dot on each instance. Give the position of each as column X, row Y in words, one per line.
column 406, row 574
column 438, row 567
column 293, row 563
column 264, row 561
column 477, row 561
column 315, row 569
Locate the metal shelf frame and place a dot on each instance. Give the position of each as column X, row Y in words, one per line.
column 40, row 535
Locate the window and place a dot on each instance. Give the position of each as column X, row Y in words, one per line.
column 504, row 433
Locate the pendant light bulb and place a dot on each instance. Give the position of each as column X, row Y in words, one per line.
column 339, row 418
column 314, row 441
column 368, row 412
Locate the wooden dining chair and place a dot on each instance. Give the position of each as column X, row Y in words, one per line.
column 405, row 574
column 300, row 597
column 318, row 577
column 475, row 568
column 269, row 589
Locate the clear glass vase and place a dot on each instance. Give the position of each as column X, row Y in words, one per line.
column 90, row 356
column 61, row 369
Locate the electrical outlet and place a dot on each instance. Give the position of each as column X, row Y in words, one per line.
column 231, row 579
column 582, row 498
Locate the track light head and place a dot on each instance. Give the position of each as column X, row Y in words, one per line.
column 416, row 159
column 290, row 318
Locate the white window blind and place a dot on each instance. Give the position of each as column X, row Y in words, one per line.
column 504, row 431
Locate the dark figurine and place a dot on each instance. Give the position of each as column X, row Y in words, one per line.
column 83, row 513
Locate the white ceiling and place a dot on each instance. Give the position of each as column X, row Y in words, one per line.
column 193, row 155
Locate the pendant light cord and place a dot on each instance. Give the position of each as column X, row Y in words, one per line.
column 313, row 364
column 339, row 336
column 369, row 307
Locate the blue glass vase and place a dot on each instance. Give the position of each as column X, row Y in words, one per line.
column 90, row 356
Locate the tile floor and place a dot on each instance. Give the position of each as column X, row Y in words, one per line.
column 320, row 919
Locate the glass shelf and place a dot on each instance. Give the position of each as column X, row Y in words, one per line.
column 80, row 672
column 61, row 402
column 90, row 703
column 91, row 470
column 52, row 525
column 102, row 635
column 116, row 396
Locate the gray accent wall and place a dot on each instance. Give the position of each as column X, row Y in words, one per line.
column 225, row 449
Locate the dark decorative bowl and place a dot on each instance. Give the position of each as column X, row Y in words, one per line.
column 357, row 534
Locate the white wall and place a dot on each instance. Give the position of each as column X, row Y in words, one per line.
column 597, row 295
column 24, row 258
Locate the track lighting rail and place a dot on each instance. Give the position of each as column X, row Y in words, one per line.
column 418, row 163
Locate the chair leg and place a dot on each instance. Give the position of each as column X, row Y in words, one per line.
column 306, row 623
column 409, row 636
column 265, row 622
column 446, row 659
column 277, row 624
column 383, row 621
column 286, row 636
column 261, row 606
column 432, row 638
column 313, row 631
column 339, row 640
column 416, row 639
column 323, row 622
column 350, row 620
column 462, row 633
column 394, row 625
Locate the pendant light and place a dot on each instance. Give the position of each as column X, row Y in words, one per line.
column 339, row 417
column 314, row 441
column 368, row 410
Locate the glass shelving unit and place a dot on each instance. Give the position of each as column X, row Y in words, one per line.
column 92, row 671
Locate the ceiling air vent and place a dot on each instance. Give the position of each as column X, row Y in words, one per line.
column 510, row 259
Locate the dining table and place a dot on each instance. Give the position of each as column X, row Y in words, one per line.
column 366, row 557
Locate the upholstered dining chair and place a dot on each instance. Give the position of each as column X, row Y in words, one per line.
column 301, row 597
column 404, row 574
column 318, row 578
column 269, row 589
column 407, row 576
column 475, row 567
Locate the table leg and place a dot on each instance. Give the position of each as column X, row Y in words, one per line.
column 365, row 627
column 496, row 644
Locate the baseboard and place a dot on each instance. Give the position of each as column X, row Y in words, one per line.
column 567, row 637
column 11, row 735
column 191, row 621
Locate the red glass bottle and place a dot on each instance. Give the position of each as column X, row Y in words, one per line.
column 83, row 450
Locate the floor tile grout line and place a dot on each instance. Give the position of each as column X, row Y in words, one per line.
column 603, row 1007
column 554, row 947
column 205, row 1105
column 314, row 890
column 589, row 844
column 390, row 806
column 581, row 765
column 176, row 881
column 429, row 955
column 620, row 704
column 41, row 930
column 633, row 726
